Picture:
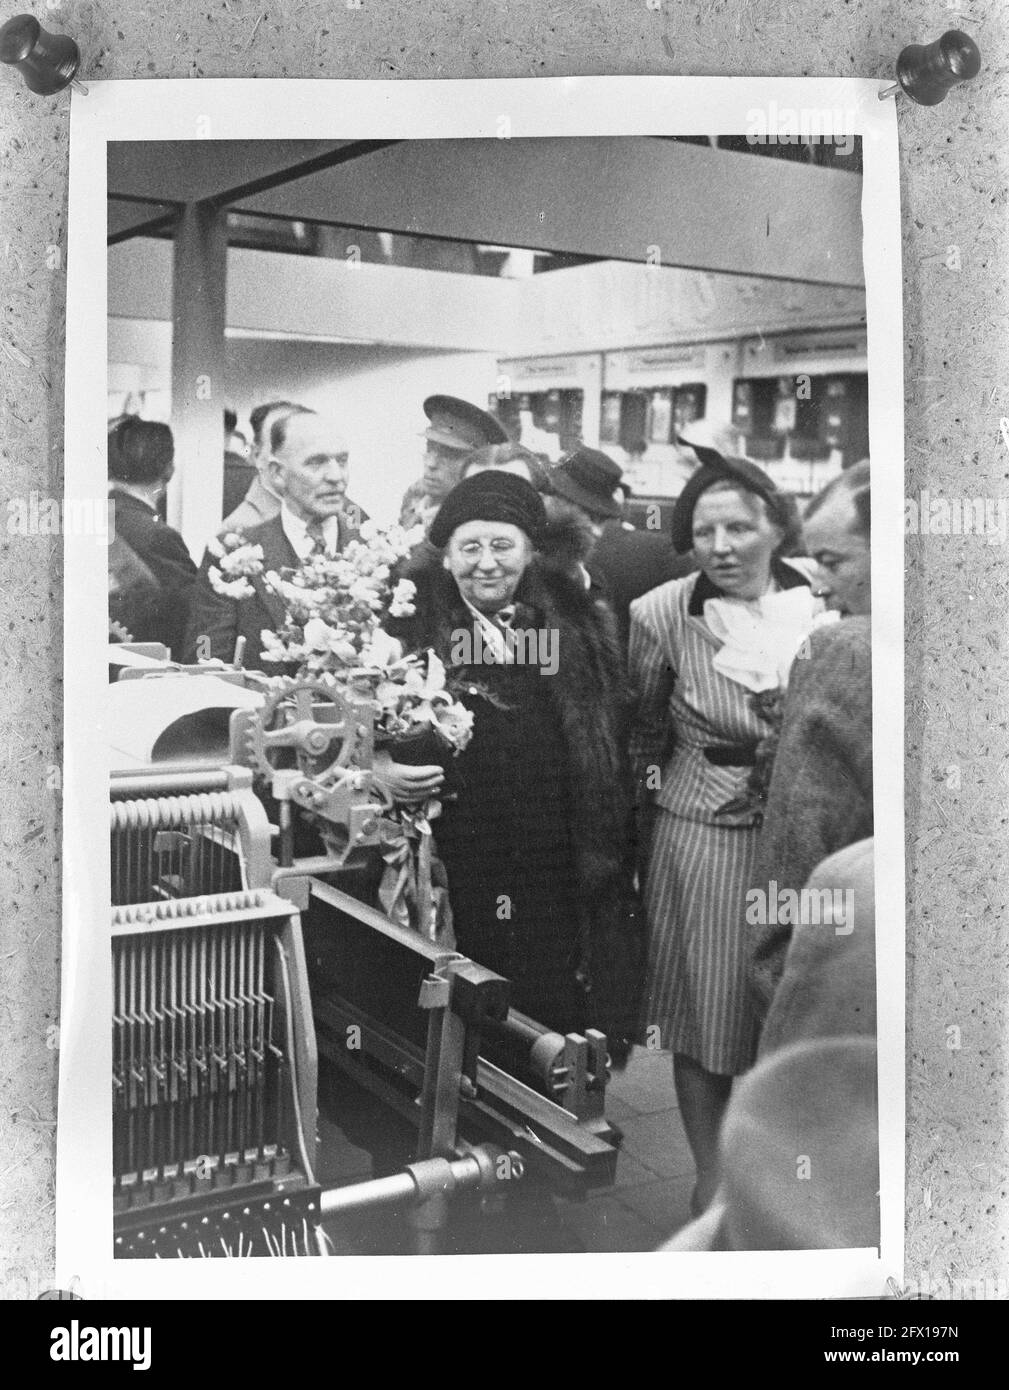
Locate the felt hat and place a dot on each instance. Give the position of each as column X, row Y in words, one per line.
column 490, row 496
column 589, row 478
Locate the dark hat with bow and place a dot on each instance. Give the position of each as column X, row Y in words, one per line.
column 717, row 468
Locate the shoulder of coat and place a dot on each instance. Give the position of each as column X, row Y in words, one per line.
column 669, row 598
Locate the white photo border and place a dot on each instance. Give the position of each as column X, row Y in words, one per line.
column 537, row 107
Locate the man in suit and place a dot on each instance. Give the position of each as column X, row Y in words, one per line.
column 151, row 573
column 624, row 561
column 820, row 797
column 258, row 502
column 308, row 468
column 239, row 473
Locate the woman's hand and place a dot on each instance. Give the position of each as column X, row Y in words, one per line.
column 402, row 782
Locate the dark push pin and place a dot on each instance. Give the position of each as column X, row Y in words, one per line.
column 926, row 72
column 47, row 62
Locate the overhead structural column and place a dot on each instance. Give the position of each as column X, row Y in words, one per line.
column 199, row 307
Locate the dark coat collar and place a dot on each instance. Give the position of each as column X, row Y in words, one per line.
column 129, row 500
column 787, row 576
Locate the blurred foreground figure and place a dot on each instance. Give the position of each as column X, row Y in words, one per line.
column 820, row 796
column 799, row 1148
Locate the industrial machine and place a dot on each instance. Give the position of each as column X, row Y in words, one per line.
column 243, row 820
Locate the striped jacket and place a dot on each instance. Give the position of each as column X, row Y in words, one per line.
column 684, row 704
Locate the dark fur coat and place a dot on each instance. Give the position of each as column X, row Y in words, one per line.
column 590, row 698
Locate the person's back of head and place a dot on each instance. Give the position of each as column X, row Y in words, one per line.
column 258, row 416
column 141, row 453
column 855, row 482
column 569, row 539
column 512, row 458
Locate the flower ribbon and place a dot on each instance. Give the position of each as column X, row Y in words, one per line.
column 408, row 891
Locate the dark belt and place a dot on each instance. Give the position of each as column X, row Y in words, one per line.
column 731, row 754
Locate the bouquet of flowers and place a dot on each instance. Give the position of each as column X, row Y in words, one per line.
column 416, row 703
column 334, row 607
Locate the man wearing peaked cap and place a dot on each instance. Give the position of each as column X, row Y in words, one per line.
column 455, row 427
column 458, row 425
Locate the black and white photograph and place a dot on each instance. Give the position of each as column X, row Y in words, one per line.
column 500, row 693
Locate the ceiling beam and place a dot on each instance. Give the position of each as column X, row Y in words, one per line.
column 197, row 171
column 614, row 198
column 128, row 217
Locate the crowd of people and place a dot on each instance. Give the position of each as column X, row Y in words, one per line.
column 631, row 832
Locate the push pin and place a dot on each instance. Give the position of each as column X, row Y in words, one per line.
column 47, row 62
column 926, row 72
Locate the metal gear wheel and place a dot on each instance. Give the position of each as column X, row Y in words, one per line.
column 287, row 721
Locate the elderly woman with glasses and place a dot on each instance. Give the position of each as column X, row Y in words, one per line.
column 533, row 830
column 709, row 654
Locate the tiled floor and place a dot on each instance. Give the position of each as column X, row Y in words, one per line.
column 649, row 1201
column 655, row 1172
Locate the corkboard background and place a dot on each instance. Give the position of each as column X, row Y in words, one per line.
column 954, row 178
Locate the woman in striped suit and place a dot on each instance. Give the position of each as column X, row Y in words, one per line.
column 704, row 651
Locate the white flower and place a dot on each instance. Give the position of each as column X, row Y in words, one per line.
column 318, row 635
column 388, row 694
column 363, row 590
column 401, row 605
column 435, row 682
column 455, row 722
column 382, row 650
column 335, row 641
column 235, row 588
column 245, row 560
column 274, row 649
column 386, row 543
column 295, row 595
